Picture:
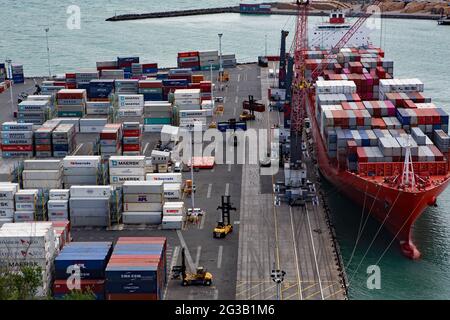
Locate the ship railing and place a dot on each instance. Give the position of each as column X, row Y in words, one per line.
column 388, row 169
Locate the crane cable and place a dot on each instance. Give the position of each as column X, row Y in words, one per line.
column 375, row 236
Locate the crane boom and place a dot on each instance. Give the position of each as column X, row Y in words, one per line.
column 300, row 86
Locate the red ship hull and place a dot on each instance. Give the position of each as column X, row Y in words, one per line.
column 395, row 209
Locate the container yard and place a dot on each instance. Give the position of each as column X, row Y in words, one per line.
column 100, row 195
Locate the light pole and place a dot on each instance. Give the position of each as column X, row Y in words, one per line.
column 278, row 277
column 220, row 57
column 212, row 84
column 48, row 51
column 10, row 69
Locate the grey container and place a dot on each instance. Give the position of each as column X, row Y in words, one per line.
column 80, row 180
column 137, row 187
column 86, row 203
column 80, row 172
column 89, row 221
column 153, row 218
column 42, row 164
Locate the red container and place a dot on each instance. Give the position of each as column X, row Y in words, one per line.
column 132, row 296
column 132, row 133
column 43, row 147
column 131, row 147
column 362, row 157
column 150, row 84
column 71, row 76
column 96, row 286
column 188, row 54
column 149, row 66
column 16, row 147
column 109, row 135
column 73, row 94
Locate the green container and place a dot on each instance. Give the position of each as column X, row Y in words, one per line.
column 150, row 90
column 157, row 120
column 208, row 67
column 70, row 114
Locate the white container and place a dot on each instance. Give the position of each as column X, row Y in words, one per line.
column 165, row 177
column 81, row 161
column 172, row 190
column 137, row 187
column 58, row 205
column 42, row 184
column 122, row 179
column 187, row 94
column 126, row 162
column 172, row 223
column 130, row 100
column 25, row 206
column 142, row 207
column 173, row 208
column 42, row 164
column 142, row 198
column 6, row 213
column 90, row 191
column 41, row 174
column 7, row 192
column 26, row 195
column 127, row 171
column 6, row 204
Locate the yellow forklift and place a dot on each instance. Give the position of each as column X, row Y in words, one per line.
column 224, row 226
column 201, row 277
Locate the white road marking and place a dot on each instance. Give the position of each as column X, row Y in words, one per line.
column 224, row 100
column 78, row 148
column 186, row 251
column 234, row 112
column 229, row 167
column 237, row 222
column 239, row 78
column 145, row 148
column 197, row 259
column 213, row 169
column 314, row 252
column 227, row 189
column 208, row 195
column 236, row 100
column 174, row 260
column 219, row 257
column 202, row 223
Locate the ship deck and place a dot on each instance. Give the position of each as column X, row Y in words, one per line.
column 294, row 240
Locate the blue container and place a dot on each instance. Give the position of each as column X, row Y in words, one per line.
column 150, row 70
column 61, row 147
column 126, row 61
column 162, row 75
column 153, row 96
column 174, row 82
column 132, row 286
column 131, row 273
column 83, row 86
column 127, row 75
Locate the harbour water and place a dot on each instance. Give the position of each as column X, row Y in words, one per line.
column 419, row 49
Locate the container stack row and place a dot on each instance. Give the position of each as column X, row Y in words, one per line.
column 156, row 115
column 137, row 269
column 42, row 174
column 90, row 206
column 131, row 141
column 111, row 139
column 89, row 260
column 81, row 170
column 71, row 102
column 142, row 202
column 126, row 168
column 17, row 140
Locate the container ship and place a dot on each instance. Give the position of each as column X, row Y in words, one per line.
column 379, row 139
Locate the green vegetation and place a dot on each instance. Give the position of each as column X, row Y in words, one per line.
column 80, row 295
column 21, row 284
